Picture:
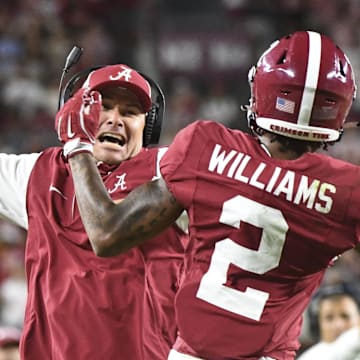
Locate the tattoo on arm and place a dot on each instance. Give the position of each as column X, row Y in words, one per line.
column 114, row 228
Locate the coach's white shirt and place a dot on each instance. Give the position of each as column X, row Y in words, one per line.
column 15, row 171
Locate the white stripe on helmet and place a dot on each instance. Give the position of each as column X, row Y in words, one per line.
column 312, row 78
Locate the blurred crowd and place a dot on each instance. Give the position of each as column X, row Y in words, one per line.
column 198, row 51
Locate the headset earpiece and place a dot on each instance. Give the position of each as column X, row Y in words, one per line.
column 148, row 134
column 155, row 116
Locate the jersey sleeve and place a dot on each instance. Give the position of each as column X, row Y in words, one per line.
column 354, row 207
column 15, row 171
column 178, row 164
column 182, row 221
column 160, row 154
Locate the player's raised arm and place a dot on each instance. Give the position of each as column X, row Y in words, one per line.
column 114, row 228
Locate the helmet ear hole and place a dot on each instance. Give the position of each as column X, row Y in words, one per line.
column 342, row 69
column 282, row 58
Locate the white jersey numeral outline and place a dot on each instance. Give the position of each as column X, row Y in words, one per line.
column 251, row 302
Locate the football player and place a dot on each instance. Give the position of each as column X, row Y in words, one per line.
column 267, row 213
column 80, row 306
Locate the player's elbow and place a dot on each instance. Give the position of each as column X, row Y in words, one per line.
column 106, row 246
column 101, row 251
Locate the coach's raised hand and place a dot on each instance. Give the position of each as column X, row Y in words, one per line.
column 77, row 122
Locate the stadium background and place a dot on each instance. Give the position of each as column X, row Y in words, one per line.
column 199, row 52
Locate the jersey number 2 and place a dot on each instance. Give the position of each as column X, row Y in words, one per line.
column 251, row 302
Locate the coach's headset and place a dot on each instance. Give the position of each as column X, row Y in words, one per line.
column 154, row 116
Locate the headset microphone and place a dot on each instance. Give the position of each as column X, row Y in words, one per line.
column 71, row 59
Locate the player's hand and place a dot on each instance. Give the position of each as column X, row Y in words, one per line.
column 77, row 122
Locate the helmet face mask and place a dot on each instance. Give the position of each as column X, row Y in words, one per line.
column 302, row 87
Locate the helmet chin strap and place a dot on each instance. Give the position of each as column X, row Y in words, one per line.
column 257, row 132
column 251, row 117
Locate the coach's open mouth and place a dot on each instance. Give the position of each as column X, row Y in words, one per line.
column 112, row 138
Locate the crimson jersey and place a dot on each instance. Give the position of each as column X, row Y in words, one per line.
column 81, row 306
column 262, row 233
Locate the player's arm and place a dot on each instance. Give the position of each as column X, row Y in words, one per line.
column 114, row 228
